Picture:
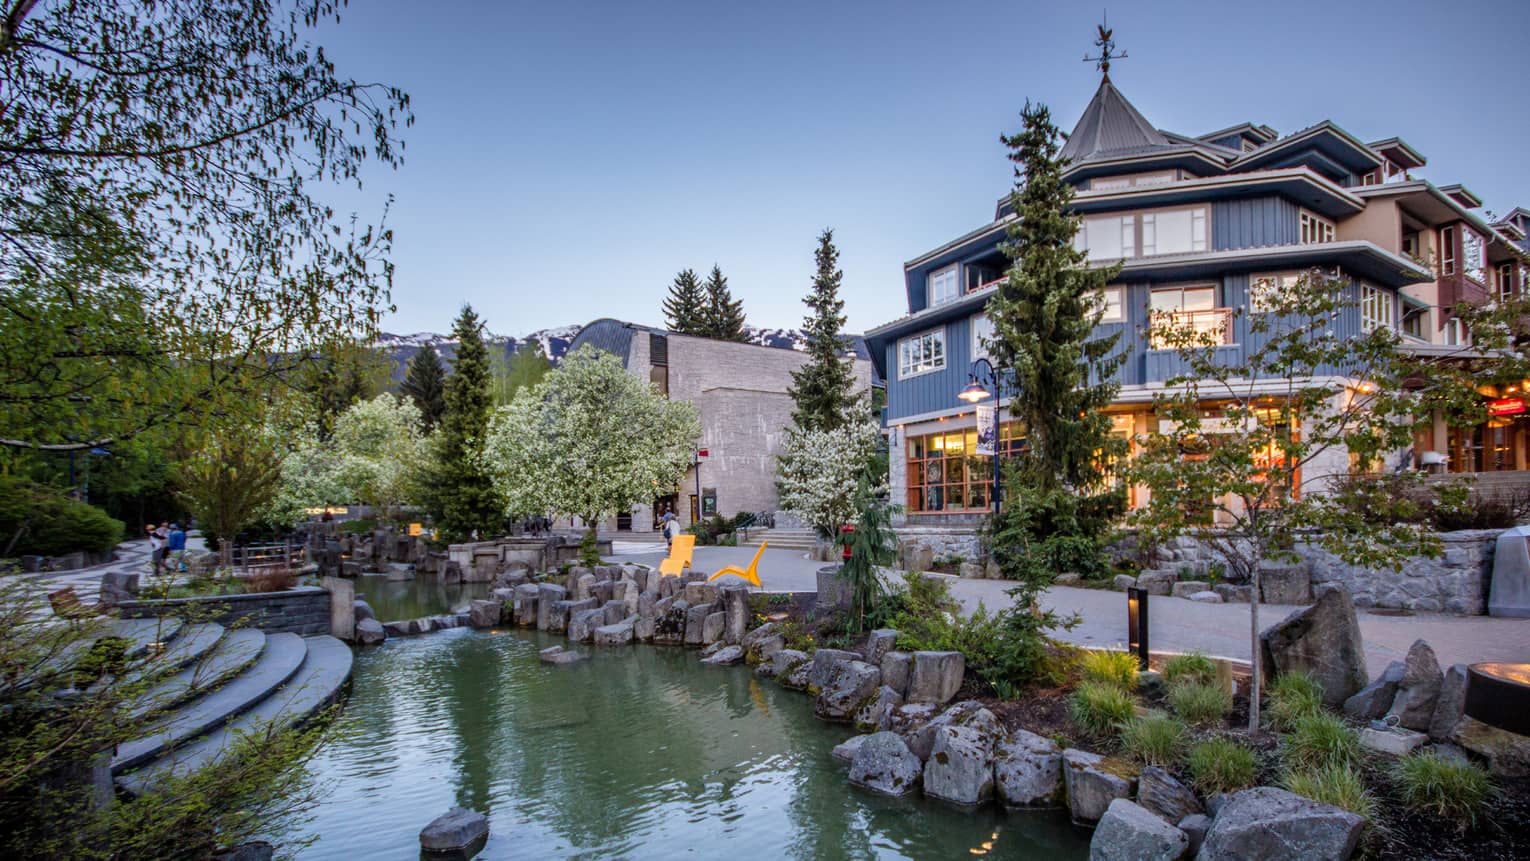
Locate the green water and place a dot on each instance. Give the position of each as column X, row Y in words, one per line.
column 425, row 595
column 641, row 752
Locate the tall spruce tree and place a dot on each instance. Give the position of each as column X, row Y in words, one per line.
column 1060, row 375
column 461, row 492
column 724, row 314
column 686, row 306
column 425, row 385
column 823, row 388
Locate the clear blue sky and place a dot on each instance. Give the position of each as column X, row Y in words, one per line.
column 569, row 157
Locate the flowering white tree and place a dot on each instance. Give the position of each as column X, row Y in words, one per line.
column 379, row 448
column 817, row 472
column 310, row 475
column 588, row 441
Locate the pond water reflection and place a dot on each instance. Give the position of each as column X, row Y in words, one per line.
column 425, row 595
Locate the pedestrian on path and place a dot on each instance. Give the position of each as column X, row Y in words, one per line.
column 157, row 543
column 175, row 549
column 671, row 527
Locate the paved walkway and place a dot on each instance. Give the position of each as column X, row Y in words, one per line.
column 131, row 556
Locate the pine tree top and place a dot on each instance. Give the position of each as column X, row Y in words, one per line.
column 686, row 306
column 725, row 315
column 823, row 388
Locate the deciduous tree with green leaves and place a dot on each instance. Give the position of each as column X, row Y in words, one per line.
column 724, row 315
column 686, row 306
column 524, row 367
column 230, row 480
column 459, row 490
column 589, row 441
column 824, row 388
column 425, row 386
column 1059, row 372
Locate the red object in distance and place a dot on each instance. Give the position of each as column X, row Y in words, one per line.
column 701, row 452
column 844, row 532
column 1506, row 407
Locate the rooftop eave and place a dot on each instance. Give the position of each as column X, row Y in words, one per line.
column 1360, row 257
column 1452, row 207
column 1326, row 127
column 1141, row 161
column 1302, row 184
column 1397, row 151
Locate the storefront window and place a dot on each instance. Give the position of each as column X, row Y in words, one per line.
column 944, row 475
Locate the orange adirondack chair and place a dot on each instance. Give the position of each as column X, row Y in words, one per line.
column 679, row 559
column 751, row 573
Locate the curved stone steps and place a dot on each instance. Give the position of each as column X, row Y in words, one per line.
column 141, row 634
column 317, row 683
column 282, row 656
column 237, row 650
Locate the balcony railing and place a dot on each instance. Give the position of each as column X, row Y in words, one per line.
column 1209, row 328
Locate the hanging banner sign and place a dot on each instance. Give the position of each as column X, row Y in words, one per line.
column 1506, row 407
column 985, row 430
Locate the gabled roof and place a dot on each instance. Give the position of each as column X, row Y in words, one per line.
column 1399, row 153
column 1336, row 148
column 1256, row 132
column 1462, row 195
column 1111, row 126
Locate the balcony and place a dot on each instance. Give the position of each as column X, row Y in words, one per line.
column 1458, row 287
column 1209, row 328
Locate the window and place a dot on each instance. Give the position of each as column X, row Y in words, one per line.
column 1472, row 259
column 1264, row 290
column 1107, row 237
column 1375, row 308
column 1410, row 244
column 1111, row 298
column 982, row 332
column 922, row 353
column 943, row 286
column 1174, row 310
column 943, row 474
column 1135, row 180
column 1315, row 228
column 1177, row 231
column 1456, row 334
column 1414, row 322
column 1448, row 250
column 980, row 276
column 1505, row 280
column 1160, row 231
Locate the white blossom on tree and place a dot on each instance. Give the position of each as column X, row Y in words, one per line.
column 589, row 441
column 817, row 471
column 379, row 448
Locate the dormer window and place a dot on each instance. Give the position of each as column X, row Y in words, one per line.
column 1315, row 228
column 944, row 286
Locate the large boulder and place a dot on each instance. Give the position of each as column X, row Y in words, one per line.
column 1027, row 770
column 882, row 763
column 619, row 634
column 484, row 613
column 791, row 668
column 735, row 606
column 878, row 644
column 646, row 615
column 1419, row 689
column 824, row 662
column 370, row 631
column 454, row 830
column 969, row 713
column 1275, row 825
column 876, row 713
column 1323, row 641
column 1451, row 705
column 527, row 597
column 1158, row 791
column 1373, row 700
column 727, row 656
column 1129, row 832
column 582, row 625
column 896, row 668
column 845, row 750
column 960, row 765
column 669, row 626
column 549, row 594
column 696, row 624
column 936, row 677
column 849, row 686
column 1093, row 782
column 559, row 657
column 1507, row 753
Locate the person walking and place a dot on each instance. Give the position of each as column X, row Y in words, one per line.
column 671, row 528
column 175, row 549
column 157, row 542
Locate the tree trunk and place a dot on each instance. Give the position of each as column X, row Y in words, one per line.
column 1256, row 659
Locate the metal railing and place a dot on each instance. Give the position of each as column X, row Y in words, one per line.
column 265, row 557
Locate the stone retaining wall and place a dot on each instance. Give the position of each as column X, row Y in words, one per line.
column 67, row 562
column 919, row 547
column 302, row 610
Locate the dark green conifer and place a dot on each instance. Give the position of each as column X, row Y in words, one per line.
column 461, row 494
column 725, row 315
column 425, row 385
column 686, row 306
column 823, row 388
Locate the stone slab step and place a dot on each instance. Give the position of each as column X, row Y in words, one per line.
column 141, row 634
column 194, row 642
column 237, row 650
column 282, row 656
column 317, row 683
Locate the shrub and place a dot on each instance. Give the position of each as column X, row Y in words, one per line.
column 1099, row 709
column 1339, row 785
column 1321, row 740
column 1293, row 696
column 270, row 580
column 39, row 520
column 1220, row 765
column 1192, row 668
column 1450, row 789
column 1153, row 740
column 1200, row 704
column 1110, row 668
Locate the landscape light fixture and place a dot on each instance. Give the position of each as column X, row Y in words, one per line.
column 1137, row 624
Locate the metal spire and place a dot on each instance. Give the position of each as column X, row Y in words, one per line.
column 1107, row 47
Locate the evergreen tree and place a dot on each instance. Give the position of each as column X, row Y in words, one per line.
column 461, row 493
column 425, row 385
column 822, row 388
column 686, row 306
column 1059, row 498
column 724, row 314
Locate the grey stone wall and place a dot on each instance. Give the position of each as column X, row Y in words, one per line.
column 1455, row 582
column 303, row 610
column 921, row 546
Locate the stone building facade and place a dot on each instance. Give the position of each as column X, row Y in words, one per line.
column 740, row 392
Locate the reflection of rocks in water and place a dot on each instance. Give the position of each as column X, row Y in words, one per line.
column 557, row 724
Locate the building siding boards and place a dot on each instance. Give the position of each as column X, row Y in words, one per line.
column 1253, row 223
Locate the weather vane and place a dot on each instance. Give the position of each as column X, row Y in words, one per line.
column 1107, row 48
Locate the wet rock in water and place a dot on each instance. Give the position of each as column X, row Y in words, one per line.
column 1323, row 641
column 883, row 764
column 695, row 623
column 454, row 830
column 1451, row 705
column 558, row 656
column 1158, row 791
column 1373, row 700
column 370, row 631
column 619, row 634
column 1093, row 782
column 527, row 596
column 845, row 750
column 735, row 603
column 791, row 668
column 936, row 677
column 960, row 766
column 669, row 626
column 878, row 644
column 582, row 625
column 485, row 613
column 726, row 656
column 876, row 714
column 1275, row 825
column 647, row 616
column 763, row 651
column 363, row 610
column 896, row 668
column 1130, row 832
column 1419, row 689
column 1027, row 770
column 712, row 628
column 849, row 686
column 549, row 594
column 824, row 661
column 969, row 713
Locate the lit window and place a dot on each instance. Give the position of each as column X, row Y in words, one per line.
column 1375, row 308
column 1163, row 231
column 1107, row 237
column 943, row 286
column 920, row 354
column 1180, row 231
column 1315, row 228
column 982, row 334
column 1175, row 309
column 1264, row 290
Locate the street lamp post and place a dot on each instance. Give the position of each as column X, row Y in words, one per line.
column 975, row 392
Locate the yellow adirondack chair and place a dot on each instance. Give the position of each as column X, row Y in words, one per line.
column 751, row 573
column 679, row 559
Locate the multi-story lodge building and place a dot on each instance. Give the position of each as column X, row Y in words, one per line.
column 1199, row 223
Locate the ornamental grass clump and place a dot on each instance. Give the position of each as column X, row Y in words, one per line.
column 1450, row 789
column 1339, row 784
column 1110, row 668
column 1293, row 696
column 1191, row 668
column 1200, row 704
column 1220, row 765
column 1321, row 740
column 1099, row 709
column 1155, row 740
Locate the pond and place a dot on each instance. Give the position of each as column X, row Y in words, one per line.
column 425, row 595
column 637, row 753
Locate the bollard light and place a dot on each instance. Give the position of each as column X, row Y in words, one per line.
column 1137, row 624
